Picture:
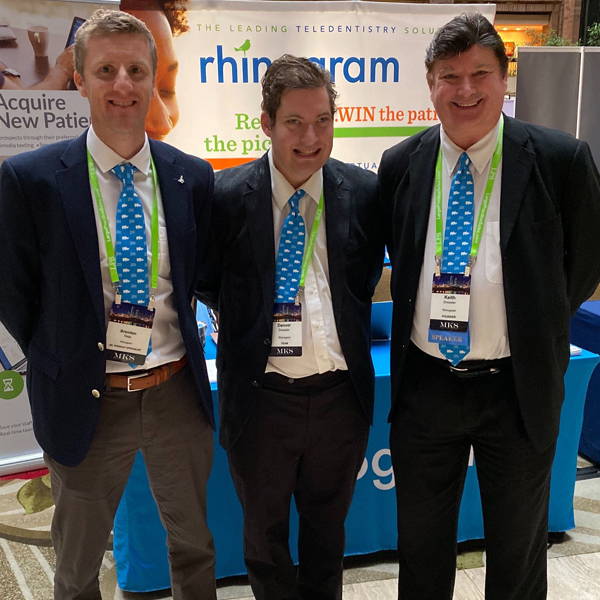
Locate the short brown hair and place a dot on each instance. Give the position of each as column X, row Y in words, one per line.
column 293, row 72
column 461, row 34
column 110, row 22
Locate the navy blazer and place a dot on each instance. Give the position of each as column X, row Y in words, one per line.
column 242, row 278
column 51, row 298
column 549, row 232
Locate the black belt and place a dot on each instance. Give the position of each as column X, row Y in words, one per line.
column 466, row 369
column 304, row 385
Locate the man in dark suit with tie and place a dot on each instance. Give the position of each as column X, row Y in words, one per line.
column 484, row 283
column 297, row 260
column 101, row 240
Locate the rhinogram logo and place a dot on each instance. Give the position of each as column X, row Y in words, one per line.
column 352, row 69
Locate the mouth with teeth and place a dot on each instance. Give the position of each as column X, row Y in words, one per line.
column 467, row 105
column 307, row 154
column 121, row 103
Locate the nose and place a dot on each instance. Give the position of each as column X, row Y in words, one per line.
column 122, row 81
column 309, row 135
column 158, row 120
column 467, row 86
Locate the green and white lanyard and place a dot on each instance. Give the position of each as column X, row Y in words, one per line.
column 481, row 218
column 108, row 242
column 307, row 258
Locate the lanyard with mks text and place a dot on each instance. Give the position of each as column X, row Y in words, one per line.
column 307, row 258
column 108, row 242
column 478, row 233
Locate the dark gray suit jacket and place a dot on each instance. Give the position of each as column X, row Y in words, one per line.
column 241, row 282
column 549, row 232
column 51, row 297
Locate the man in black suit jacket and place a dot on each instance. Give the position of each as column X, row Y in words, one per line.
column 295, row 425
column 537, row 260
column 91, row 414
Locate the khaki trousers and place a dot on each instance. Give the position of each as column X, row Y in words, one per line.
column 166, row 423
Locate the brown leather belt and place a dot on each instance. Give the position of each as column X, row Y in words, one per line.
column 142, row 381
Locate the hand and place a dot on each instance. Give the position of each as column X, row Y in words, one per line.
column 65, row 62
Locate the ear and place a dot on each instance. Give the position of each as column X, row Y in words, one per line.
column 429, row 78
column 78, row 79
column 265, row 123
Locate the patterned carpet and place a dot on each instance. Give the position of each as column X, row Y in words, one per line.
column 27, row 558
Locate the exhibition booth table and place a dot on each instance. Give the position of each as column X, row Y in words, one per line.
column 585, row 332
column 139, row 538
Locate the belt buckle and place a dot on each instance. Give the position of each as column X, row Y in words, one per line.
column 469, row 373
column 130, row 378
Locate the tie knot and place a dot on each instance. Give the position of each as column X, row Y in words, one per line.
column 464, row 161
column 295, row 199
column 124, row 172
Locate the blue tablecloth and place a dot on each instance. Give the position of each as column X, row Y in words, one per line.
column 585, row 332
column 139, row 539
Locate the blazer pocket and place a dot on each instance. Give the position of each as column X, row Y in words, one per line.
column 46, row 363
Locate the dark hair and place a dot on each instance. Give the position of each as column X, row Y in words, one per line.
column 462, row 33
column 109, row 22
column 293, row 72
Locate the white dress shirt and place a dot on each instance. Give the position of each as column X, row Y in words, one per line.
column 167, row 343
column 321, row 350
column 487, row 311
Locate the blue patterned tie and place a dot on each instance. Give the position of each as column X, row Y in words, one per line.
column 290, row 252
column 131, row 250
column 458, row 237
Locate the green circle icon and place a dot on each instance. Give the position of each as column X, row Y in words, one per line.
column 11, row 384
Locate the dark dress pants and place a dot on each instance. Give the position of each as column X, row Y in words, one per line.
column 305, row 439
column 166, row 423
column 438, row 418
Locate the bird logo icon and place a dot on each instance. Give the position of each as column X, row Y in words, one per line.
column 244, row 47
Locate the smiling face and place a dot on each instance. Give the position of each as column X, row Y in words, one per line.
column 117, row 80
column 164, row 110
column 301, row 134
column 467, row 91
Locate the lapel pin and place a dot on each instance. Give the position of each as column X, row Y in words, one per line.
column 181, row 179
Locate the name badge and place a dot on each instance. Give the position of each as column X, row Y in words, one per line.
column 449, row 315
column 128, row 333
column 287, row 329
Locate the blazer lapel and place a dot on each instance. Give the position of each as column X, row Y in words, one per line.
column 74, row 191
column 259, row 215
column 337, row 224
column 422, row 174
column 517, row 162
column 176, row 205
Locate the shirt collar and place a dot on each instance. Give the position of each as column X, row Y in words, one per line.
column 480, row 152
column 106, row 158
column 282, row 190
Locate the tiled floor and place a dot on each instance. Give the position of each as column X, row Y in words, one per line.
column 27, row 565
column 569, row 578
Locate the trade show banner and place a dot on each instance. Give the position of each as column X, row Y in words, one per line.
column 374, row 52
column 211, row 57
column 39, row 105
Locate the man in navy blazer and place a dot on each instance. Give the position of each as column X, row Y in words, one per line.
column 535, row 261
column 91, row 414
column 295, row 405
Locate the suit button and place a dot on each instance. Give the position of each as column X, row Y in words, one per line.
column 267, row 342
column 410, row 300
column 254, row 383
column 96, row 393
column 100, row 346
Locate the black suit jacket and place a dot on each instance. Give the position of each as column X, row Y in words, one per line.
column 549, row 232
column 51, row 297
column 241, row 284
